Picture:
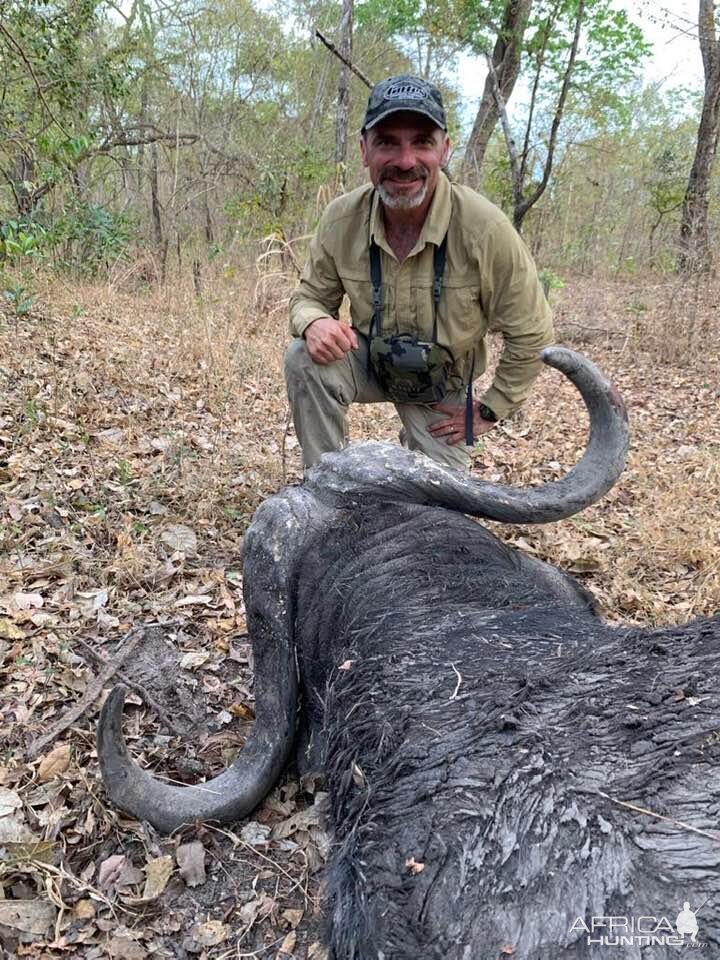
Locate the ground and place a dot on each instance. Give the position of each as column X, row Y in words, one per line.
column 139, row 429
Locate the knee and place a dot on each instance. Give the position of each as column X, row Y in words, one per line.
column 297, row 360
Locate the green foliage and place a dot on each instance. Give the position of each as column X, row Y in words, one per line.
column 124, row 472
column 20, row 239
column 202, row 129
column 432, row 32
column 550, row 281
column 33, row 414
column 20, row 298
column 89, row 237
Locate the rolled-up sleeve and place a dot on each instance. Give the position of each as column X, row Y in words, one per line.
column 320, row 291
column 517, row 308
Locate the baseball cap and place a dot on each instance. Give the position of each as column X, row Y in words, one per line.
column 404, row 93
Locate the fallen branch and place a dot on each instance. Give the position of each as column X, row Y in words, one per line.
column 95, row 688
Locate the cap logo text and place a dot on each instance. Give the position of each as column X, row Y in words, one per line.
column 405, row 91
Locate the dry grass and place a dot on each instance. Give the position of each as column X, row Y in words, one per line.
column 139, row 430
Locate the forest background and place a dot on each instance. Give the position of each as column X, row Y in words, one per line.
column 190, row 134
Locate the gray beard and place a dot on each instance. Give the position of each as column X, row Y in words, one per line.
column 403, row 202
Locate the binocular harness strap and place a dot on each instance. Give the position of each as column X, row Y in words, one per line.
column 439, row 257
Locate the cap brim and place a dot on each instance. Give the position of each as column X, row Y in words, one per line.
column 387, row 113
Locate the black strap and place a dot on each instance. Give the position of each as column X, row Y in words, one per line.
column 439, row 257
column 469, row 413
column 438, row 271
column 377, row 289
column 377, row 298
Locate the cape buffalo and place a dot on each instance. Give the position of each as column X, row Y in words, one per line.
column 508, row 775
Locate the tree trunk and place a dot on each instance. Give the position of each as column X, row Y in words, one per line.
column 24, row 174
column 155, row 199
column 695, row 255
column 506, row 61
column 343, row 97
column 524, row 203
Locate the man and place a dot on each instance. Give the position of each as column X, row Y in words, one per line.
column 429, row 268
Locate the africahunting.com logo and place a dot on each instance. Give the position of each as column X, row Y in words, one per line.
column 646, row 931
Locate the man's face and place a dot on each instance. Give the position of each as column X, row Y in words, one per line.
column 403, row 155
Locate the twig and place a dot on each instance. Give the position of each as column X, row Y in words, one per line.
column 584, row 326
column 139, row 688
column 651, row 813
column 333, row 49
column 95, row 688
column 459, row 676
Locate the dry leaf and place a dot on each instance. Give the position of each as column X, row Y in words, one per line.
column 14, row 830
column 10, row 631
column 180, row 538
column 194, row 659
column 28, row 916
column 110, row 870
column 288, row 945
column 293, row 917
column 158, row 873
column 414, row 866
column 302, row 820
column 84, row 910
column 191, row 861
column 266, row 905
column 317, row 951
column 123, row 948
column 38, row 851
column 27, row 601
column 9, row 801
column 242, row 711
column 54, row 763
column 346, row 664
column 210, row 934
column 507, row 949
column 256, row 834
column 247, row 914
column 112, row 436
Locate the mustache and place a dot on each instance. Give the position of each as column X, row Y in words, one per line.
column 418, row 172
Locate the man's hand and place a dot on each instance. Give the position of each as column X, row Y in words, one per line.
column 329, row 340
column 452, row 428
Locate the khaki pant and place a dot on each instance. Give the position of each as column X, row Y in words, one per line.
column 320, row 395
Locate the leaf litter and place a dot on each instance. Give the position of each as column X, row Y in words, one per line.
column 133, row 453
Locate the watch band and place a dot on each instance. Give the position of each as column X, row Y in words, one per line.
column 486, row 413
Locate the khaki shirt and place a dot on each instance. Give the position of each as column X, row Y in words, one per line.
column 489, row 284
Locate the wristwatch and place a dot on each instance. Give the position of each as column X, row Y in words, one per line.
column 486, row 413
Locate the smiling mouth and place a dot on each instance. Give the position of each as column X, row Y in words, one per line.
column 404, row 181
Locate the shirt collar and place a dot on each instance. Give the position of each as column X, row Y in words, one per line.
column 436, row 223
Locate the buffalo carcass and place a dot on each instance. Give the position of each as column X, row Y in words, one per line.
column 508, row 775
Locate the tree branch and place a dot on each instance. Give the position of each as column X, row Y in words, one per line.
column 333, row 49
column 175, row 138
column 16, row 46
